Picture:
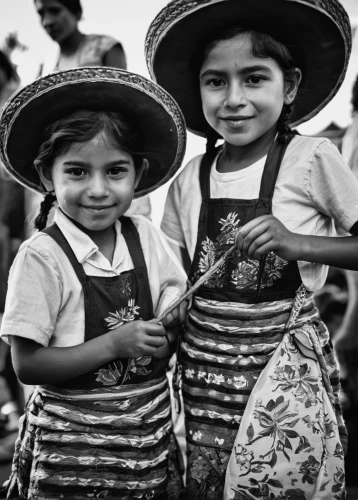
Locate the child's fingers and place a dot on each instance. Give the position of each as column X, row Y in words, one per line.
column 155, row 341
column 255, row 233
column 255, row 249
column 154, row 329
column 245, row 230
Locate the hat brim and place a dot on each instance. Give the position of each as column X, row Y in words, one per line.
column 317, row 34
column 152, row 110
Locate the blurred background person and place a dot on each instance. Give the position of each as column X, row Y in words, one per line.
column 60, row 19
column 12, row 215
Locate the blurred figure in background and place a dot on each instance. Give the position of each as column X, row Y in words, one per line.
column 60, row 19
column 12, row 215
column 346, row 339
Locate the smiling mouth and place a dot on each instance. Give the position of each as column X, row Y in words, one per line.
column 236, row 121
column 96, row 208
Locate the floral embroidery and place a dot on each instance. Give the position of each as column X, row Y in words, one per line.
column 242, row 273
column 122, row 316
column 243, row 459
column 297, row 378
column 114, row 371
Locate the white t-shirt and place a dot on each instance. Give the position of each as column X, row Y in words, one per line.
column 315, row 190
column 45, row 299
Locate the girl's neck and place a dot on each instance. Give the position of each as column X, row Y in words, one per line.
column 234, row 158
column 105, row 239
column 71, row 44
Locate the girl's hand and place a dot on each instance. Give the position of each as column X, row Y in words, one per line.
column 267, row 234
column 137, row 338
column 177, row 316
column 169, row 348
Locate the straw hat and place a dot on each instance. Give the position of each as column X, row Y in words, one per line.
column 316, row 32
column 28, row 112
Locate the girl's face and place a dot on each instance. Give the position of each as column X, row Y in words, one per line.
column 57, row 20
column 94, row 182
column 242, row 95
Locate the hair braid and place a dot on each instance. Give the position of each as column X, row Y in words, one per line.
column 285, row 133
column 45, row 207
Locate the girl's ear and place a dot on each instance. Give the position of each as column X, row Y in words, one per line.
column 292, row 82
column 45, row 176
column 141, row 173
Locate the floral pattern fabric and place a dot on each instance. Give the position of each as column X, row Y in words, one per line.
column 288, row 444
column 242, row 273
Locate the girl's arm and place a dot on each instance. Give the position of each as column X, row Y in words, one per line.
column 38, row 365
column 267, row 234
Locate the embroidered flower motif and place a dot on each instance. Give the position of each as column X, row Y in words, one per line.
column 111, row 375
column 189, row 373
column 297, row 378
column 199, row 470
column 219, row 441
column 243, row 458
column 240, row 382
column 197, row 436
column 310, row 470
column 122, row 316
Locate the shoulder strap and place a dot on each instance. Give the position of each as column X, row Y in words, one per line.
column 55, row 232
column 204, row 172
column 271, row 169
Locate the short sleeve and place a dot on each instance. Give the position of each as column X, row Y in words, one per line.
column 171, row 223
column 33, row 300
column 333, row 188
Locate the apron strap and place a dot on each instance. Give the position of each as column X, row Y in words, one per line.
column 55, row 232
column 271, row 169
column 132, row 238
column 204, row 172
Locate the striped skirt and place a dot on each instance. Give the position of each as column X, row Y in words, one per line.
column 226, row 347
column 111, row 443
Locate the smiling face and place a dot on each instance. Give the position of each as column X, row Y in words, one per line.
column 94, row 182
column 242, row 95
column 58, row 21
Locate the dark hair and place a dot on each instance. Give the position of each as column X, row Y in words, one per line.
column 7, row 66
column 263, row 45
column 82, row 126
column 73, row 6
column 354, row 99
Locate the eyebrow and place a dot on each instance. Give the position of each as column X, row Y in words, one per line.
column 244, row 71
column 79, row 163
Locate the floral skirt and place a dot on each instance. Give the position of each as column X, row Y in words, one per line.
column 260, row 389
column 110, row 443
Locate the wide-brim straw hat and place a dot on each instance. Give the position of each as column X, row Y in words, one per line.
column 145, row 104
column 316, row 32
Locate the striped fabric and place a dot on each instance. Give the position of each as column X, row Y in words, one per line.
column 110, row 443
column 225, row 348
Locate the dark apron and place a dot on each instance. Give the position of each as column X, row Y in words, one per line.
column 106, row 434
column 236, row 322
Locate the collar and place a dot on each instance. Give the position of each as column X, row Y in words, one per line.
column 81, row 244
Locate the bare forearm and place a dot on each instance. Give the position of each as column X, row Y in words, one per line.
column 332, row 251
column 47, row 365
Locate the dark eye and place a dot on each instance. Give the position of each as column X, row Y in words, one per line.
column 117, row 171
column 77, row 171
column 215, row 82
column 255, row 79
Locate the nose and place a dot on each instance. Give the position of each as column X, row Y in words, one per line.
column 235, row 96
column 47, row 20
column 98, row 187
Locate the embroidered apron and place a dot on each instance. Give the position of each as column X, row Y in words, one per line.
column 107, row 434
column 238, row 320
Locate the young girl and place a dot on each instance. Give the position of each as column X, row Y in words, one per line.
column 83, row 292
column 260, row 379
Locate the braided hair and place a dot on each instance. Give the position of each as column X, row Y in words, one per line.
column 45, row 207
column 285, row 133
